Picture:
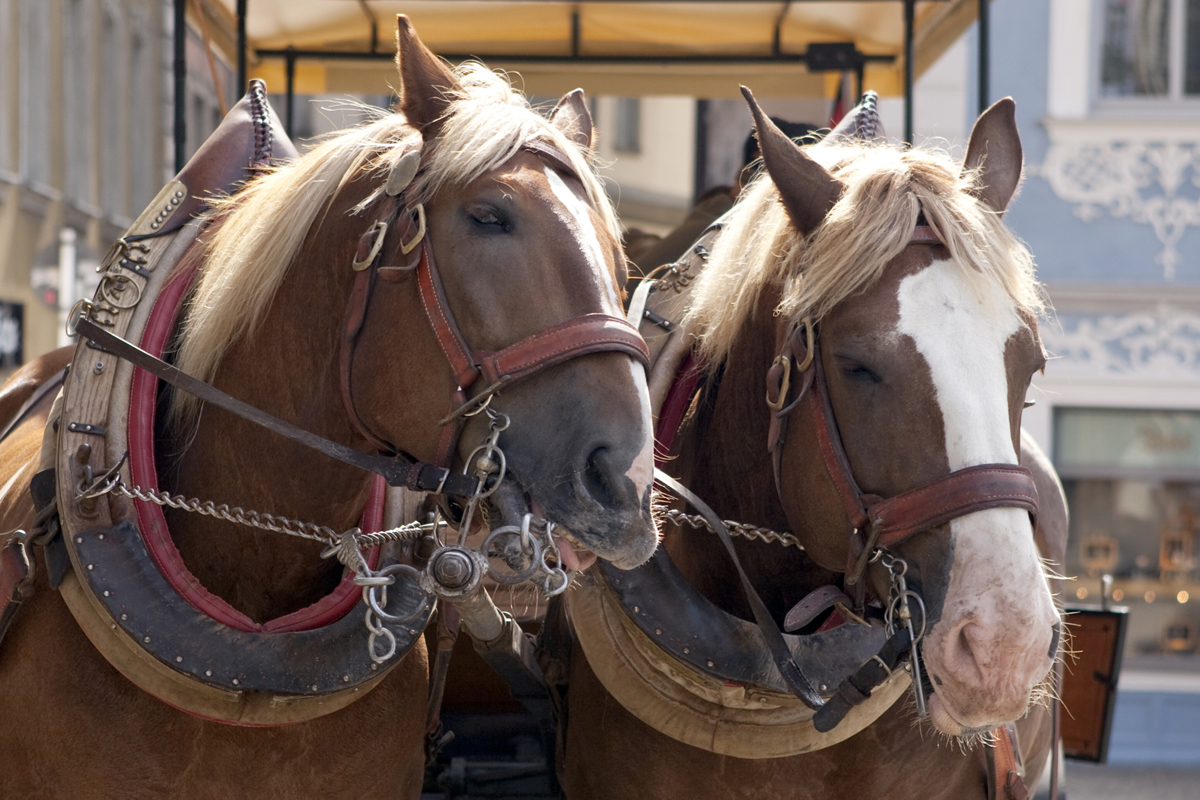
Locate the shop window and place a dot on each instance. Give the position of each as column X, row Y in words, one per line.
column 1133, row 483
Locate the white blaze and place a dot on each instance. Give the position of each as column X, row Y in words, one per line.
column 579, row 220
column 580, row 223
column 996, row 582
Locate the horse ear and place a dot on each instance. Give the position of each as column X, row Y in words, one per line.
column 426, row 83
column 807, row 190
column 572, row 117
column 995, row 151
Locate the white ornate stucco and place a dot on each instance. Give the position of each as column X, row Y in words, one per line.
column 1163, row 345
column 1149, row 174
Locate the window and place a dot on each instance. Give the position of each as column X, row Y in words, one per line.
column 627, row 136
column 1150, row 49
column 35, row 91
column 113, row 107
column 7, row 107
column 77, row 112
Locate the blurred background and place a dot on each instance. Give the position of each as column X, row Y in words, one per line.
column 102, row 100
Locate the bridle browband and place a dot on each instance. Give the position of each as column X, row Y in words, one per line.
column 582, row 335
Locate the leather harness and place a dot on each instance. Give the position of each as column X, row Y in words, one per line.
column 579, row 336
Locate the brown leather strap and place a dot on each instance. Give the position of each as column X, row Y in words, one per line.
column 437, row 310
column 962, row 492
column 591, row 333
column 1004, row 768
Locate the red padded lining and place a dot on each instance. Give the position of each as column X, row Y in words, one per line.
column 153, row 524
column 675, row 405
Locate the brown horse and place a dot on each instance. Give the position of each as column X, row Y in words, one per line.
column 927, row 339
column 525, row 241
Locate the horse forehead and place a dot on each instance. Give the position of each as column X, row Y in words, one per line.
column 963, row 332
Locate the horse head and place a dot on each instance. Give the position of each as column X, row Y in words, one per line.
column 466, row 257
column 908, row 324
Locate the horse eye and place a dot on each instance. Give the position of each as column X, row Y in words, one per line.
column 488, row 217
column 860, row 373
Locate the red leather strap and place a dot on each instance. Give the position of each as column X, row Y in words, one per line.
column 830, row 440
column 433, row 299
column 962, row 492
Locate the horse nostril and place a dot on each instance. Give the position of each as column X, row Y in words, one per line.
column 597, row 477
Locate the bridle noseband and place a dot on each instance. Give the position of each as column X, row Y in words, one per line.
column 582, row 335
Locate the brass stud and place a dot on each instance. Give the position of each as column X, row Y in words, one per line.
column 314, row 688
column 711, row 664
column 106, row 592
column 91, row 567
column 124, row 617
column 235, row 681
column 208, row 673
column 345, row 678
column 78, row 540
column 178, row 659
column 146, row 639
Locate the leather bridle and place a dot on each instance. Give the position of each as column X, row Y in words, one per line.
column 877, row 522
column 495, row 370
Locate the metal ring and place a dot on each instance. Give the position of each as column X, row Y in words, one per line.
column 808, row 330
column 785, row 384
column 566, row 581
column 375, row 603
column 488, row 448
column 520, row 577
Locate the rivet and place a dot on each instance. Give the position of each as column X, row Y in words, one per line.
column 106, row 592
column 314, row 688
column 153, row 224
column 637, row 610
column 179, row 194
column 687, row 650
column 175, row 200
column 711, row 664
column 374, row 666
column 658, row 631
column 124, row 617
column 178, row 659
column 824, row 688
column 98, row 368
column 78, row 540
column 167, row 210
column 208, row 673
column 100, row 537
column 346, row 678
column 113, row 625
column 91, row 567
column 146, row 639
column 235, row 681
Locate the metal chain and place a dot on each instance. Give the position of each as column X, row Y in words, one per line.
column 737, row 529
column 263, row 521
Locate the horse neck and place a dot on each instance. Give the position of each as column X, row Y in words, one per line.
column 289, row 368
column 723, row 457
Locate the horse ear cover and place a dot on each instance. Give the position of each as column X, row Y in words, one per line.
column 995, row 153
column 427, row 85
column 807, row 190
column 574, row 119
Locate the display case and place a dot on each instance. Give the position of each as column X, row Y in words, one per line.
column 1132, row 480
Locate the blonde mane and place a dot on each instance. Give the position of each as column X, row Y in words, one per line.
column 264, row 225
column 885, row 190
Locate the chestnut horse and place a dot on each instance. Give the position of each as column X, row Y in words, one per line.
column 526, row 240
column 927, row 344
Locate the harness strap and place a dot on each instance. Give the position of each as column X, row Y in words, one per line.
column 793, row 676
column 1005, row 769
column 398, row 471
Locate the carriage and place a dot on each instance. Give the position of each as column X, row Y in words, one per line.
column 550, row 417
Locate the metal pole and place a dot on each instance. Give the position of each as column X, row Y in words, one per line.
column 180, row 75
column 909, row 6
column 68, row 280
column 290, row 103
column 985, row 37
column 241, row 46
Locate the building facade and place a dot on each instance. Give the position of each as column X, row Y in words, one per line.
column 1108, row 103
column 85, row 144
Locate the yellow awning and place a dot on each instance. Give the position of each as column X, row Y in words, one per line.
column 703, row 49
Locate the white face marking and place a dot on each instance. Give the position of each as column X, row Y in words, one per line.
column 641, row 472
column 962, row 335
column 996, row 582
column 580, row 223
